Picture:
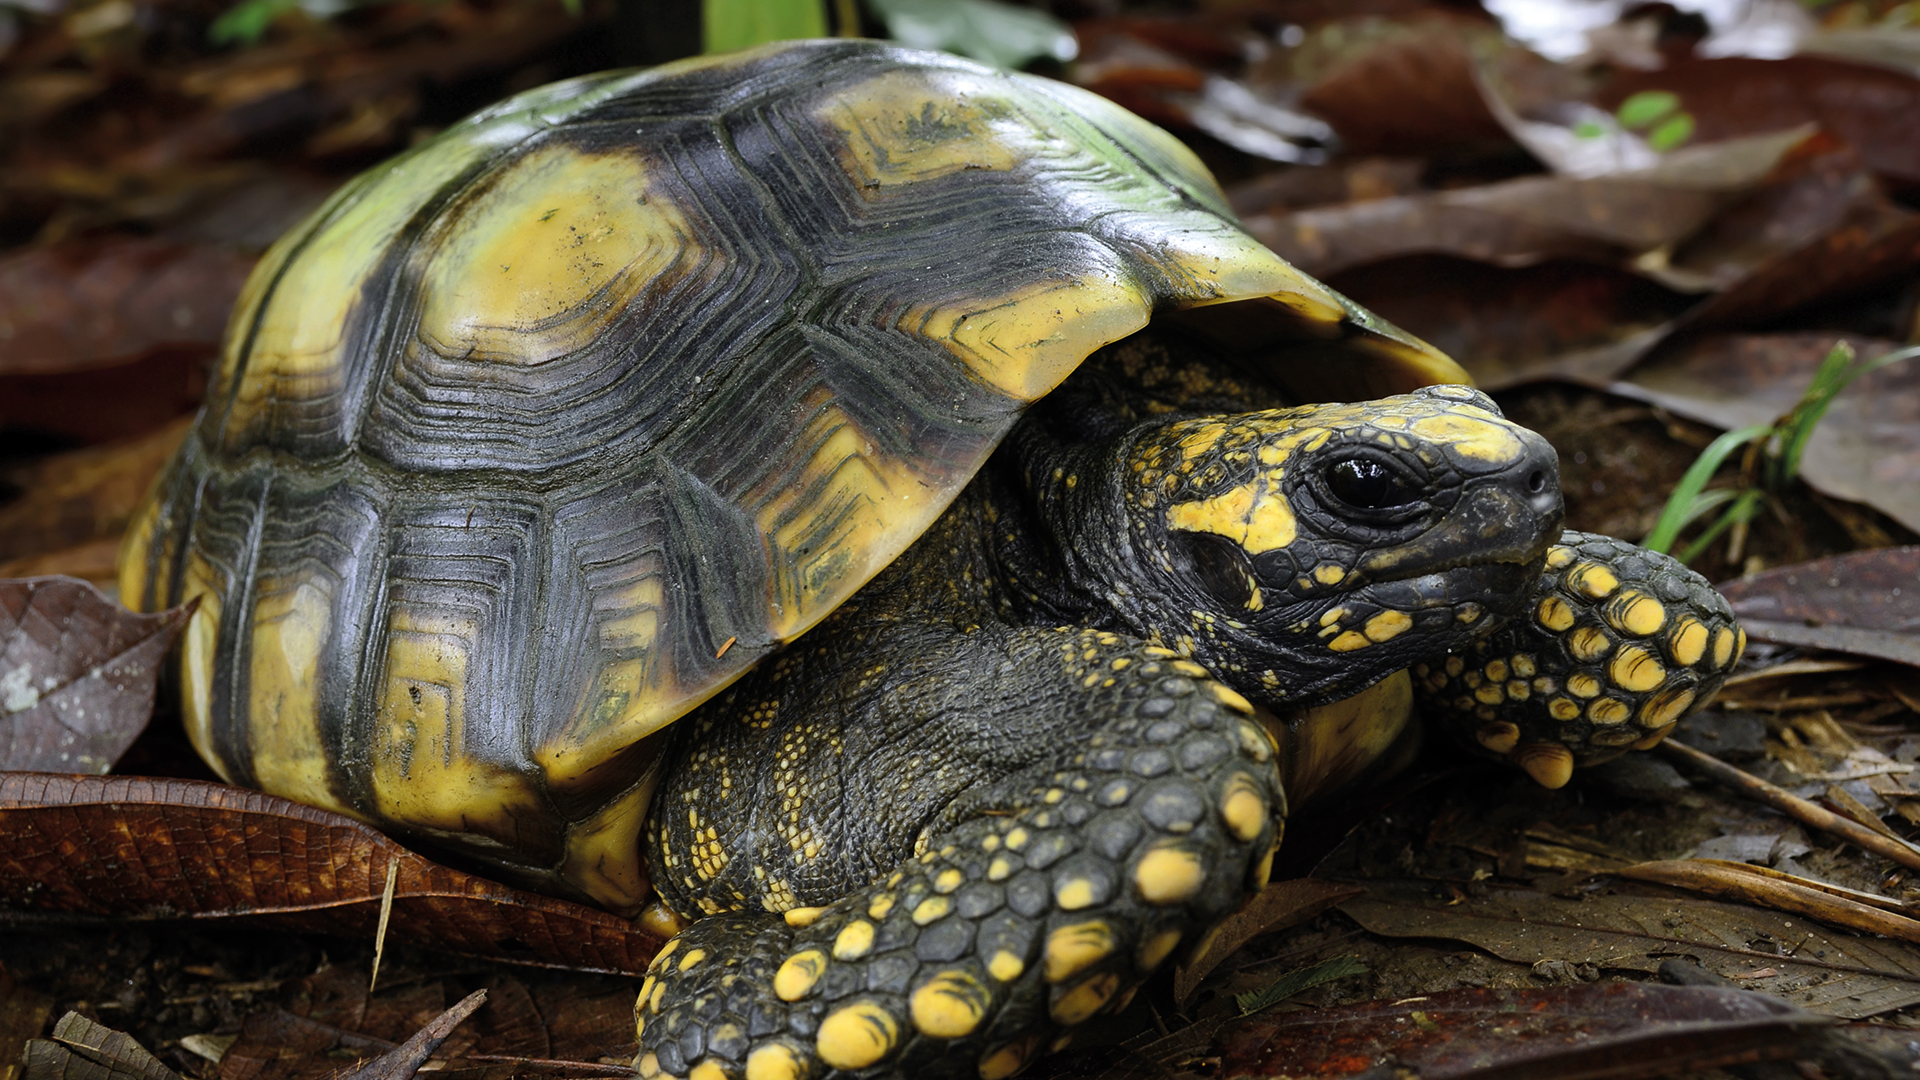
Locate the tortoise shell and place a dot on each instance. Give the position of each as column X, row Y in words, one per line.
column 535, row 437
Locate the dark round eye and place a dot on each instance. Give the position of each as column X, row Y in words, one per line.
column 1369, row 485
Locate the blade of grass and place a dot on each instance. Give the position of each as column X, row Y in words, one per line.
column 1675, row 515
column 1744, row 507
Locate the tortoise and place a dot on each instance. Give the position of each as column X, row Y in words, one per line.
column 565, row 425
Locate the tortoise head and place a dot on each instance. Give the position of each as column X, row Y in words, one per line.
column 1306, row 553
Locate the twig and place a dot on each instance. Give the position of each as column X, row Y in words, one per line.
column 1808, row 813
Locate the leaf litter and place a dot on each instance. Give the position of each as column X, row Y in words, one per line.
column 1605, row 272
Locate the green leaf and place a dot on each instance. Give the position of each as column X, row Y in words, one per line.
column 1587, row 129
column 738, row 24
column 989, row 31
column 245, row 22
column 1645, row 107
column 1671, row 132
column 1295, row 981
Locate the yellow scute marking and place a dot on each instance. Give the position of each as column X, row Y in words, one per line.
column 857, row 1036
column 290, row 623
column 296, row 351
column 1388, row 625
column 1242, row 515
column 1688, row 641
column 542, row 261
column 423, row 771
column 853, row 940
column 798, row 974
column 1157, row 948
column 1009, row 1059
column 1025, row 342
column 1169, row 876
column 1005, row 966
column 949, row 1006
column 1635, row 668
column 1244, row 809
column 197, row 647
column 774, row 1061
column 1489, row 442
column 603, row 852
column 1226, row 265
column 1076, row 1005
column 907, row 126
column 1071, row 949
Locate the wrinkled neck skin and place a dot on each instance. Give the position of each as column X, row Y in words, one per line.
column 1301, row 555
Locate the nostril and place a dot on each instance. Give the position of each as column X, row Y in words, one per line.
column 1537, row 481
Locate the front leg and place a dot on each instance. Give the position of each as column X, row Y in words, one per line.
column 1142, row 806
column 1615, row 647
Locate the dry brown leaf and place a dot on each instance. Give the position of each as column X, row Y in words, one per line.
column 1391, row 85
column 90, row 303
column 1519, row 222
column 80, row 497
column 84, row 1050
column 1832, row 972
column 107, row 404
column 1866, row 602
column 77, row 674
column 1875, row 110
column 1278, row 906
column 1564, row 1033
column 133, row 848
column 1558, row 319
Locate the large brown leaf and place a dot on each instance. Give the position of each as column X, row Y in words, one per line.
column 77, row 674
column 1560, row 319
column 81, row 496
column 1523, row 221
column 1876, row 110
column 88, row 303
column 137, row 848
column 1864, row 602
column 1567, row 1033
column 1832, row 972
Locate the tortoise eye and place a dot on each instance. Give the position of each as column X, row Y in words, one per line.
column 1369, row 485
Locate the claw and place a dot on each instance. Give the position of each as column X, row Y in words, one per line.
column 1550, row 764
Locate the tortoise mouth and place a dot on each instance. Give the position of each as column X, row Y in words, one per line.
column 1500, row 586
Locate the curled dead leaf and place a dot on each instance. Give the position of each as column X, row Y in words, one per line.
column 135, row 848
column 77, row 674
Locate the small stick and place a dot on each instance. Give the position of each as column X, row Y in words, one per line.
column 1785, row 801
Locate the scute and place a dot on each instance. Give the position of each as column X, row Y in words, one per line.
column 536, row 437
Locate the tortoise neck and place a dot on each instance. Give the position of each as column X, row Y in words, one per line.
column 1070, row 562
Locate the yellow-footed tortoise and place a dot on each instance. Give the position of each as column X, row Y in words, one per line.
column 564, row 426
